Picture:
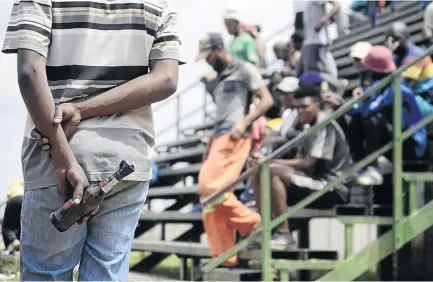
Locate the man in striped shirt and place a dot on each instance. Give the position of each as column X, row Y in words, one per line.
column 96, row 66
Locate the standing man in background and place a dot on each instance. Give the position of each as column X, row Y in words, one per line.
column 315, row 55
column 237, row 82
column 88, row 73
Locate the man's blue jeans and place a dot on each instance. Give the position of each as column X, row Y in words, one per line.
column 102, row 246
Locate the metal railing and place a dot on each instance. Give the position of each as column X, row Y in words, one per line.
column 268, row 224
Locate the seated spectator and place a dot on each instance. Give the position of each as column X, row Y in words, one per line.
column 315, row 55
column 362, row 9
column 321, row 157
column 358, row 52
column 325, row 82
column 295, row 46
column 419, row 76
column 11, row 225
column 281, row 51
column 278, row 136
column 237, row 83
column 378, row 109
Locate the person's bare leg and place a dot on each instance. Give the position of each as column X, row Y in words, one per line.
column 255, row 184
column 277, row 206
column 279, row 200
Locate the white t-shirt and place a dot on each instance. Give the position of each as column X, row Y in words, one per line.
column 314, row 12
column 300, row 5
column 289, row 117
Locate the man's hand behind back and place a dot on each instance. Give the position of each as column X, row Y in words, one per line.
column 69, row 116
column 72, row 176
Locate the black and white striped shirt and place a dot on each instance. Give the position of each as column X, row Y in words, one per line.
column 91, row 47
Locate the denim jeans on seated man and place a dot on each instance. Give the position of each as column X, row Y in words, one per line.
column 102, row 246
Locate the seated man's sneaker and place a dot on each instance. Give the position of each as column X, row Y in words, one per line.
column 371, row 177
column 283, row 241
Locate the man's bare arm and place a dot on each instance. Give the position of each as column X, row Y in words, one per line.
column 334, row 11
column 32, row 80
column 265, row 104
column 300, row 163
column 156, row 86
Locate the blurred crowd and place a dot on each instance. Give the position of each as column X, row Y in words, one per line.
column 257, row 112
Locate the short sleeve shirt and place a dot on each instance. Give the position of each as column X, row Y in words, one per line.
column 329, row 146
column 244, row 47
column 91, row 47
column 314, row 12
column 234, row 86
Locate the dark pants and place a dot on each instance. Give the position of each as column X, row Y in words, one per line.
column 11, row 229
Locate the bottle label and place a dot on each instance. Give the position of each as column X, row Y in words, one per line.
column 108, row 186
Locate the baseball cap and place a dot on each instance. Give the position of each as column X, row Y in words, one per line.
column 288, row 84
column 380, row 60
column 208, row 43
column 310, row 77
column 232, row 14
column 360, row 50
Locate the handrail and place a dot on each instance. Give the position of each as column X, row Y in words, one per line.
column 178, row 94
column 398, row 138
column 308, row 200
column 187, row 115
column 300, row 137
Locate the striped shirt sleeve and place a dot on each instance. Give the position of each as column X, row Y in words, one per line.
column 29, row 27
column 167, row 44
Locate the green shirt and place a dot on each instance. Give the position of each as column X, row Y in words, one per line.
column 244, row 47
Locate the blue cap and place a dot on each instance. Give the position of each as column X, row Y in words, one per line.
column 310, row 77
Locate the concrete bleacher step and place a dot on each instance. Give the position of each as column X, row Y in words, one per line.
column 401, row 13
column 170, row 175
column 363, row 210
column 188, row 155
column 196, row 217
column 184, row 143
column 297, row 254
column 385, row 14
column 170, row 192
column 414, row 23
column 171, row 217
column 197, row 128
column 188, row 249
column 233, row 274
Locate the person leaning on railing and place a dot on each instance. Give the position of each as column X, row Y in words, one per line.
column 377, row 110
column 321, row 157
column 238, row 83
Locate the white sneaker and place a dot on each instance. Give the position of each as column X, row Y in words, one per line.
column 371, row 177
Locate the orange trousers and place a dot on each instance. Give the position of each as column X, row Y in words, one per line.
column 223, row 165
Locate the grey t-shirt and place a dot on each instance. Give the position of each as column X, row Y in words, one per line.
column 91, row 47
column 234, row 86
column 330, row 147
column 314, row 12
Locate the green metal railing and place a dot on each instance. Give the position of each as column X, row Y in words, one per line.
column 398, row 221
